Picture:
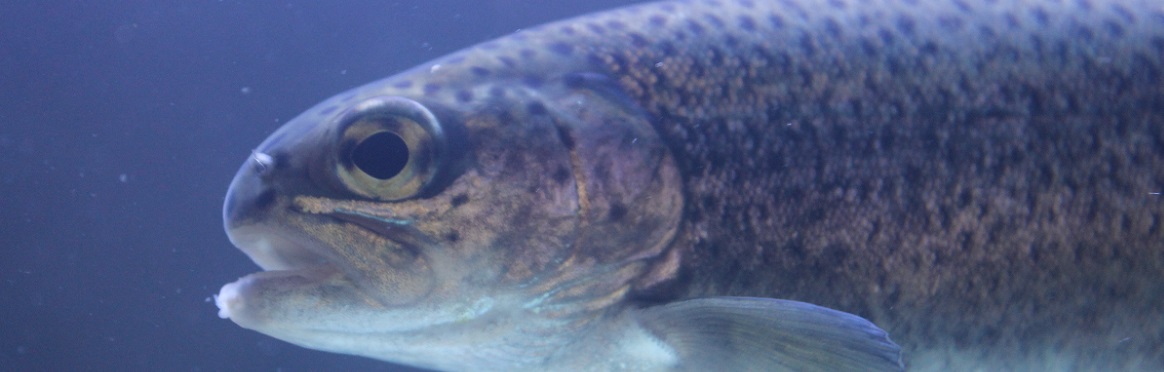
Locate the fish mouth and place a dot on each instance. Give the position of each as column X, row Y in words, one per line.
column 294, row 261
column 285, row 261
column 230, row 299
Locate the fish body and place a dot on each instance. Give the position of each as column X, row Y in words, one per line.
column 632, row 190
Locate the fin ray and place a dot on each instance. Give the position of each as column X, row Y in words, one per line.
column 748, row 333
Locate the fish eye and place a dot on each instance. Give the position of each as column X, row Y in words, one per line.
column 382, row 155
column 389, row 148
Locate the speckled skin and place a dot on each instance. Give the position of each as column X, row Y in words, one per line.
column 979, row 178
column 962, row 173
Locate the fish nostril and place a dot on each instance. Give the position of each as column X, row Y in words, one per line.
column 263, row 163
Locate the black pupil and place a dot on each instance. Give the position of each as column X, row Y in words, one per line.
column 382, row 155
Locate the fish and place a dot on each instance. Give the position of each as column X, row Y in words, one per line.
column 731, row 185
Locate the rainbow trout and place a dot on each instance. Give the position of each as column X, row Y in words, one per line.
column 732, row 185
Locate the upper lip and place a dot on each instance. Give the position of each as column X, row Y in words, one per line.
column 274, row 251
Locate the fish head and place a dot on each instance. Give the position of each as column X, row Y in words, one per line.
column 422, row 230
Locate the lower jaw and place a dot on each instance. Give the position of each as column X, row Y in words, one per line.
column 234, row 297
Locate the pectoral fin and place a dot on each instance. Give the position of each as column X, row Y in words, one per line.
column 763, row 334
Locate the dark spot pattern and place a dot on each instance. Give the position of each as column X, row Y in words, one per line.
column 1013, row 22
column 464, row 96
column 731, row 41
column 561, row 175
column 638, row 40
column 886, row 36
column 747, row 24
column 562, row 49
column 1125, row 15
column 667, row 48
column 950, row 23
column 479, row 71
column 1113, row 28
column 808, row 45
column 776, row 21
column 617, row 212
column 695, row 27
column 1084, row 33
column 863, row 144
column 459, row 200
column 833, row 28
column 1040, row 16
column 906, row 25
column 987, row 33
column 829, row 113
column 536, row 108
column 507, row 61
column 715, row 21
column 596, row 28
column 566, row 138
